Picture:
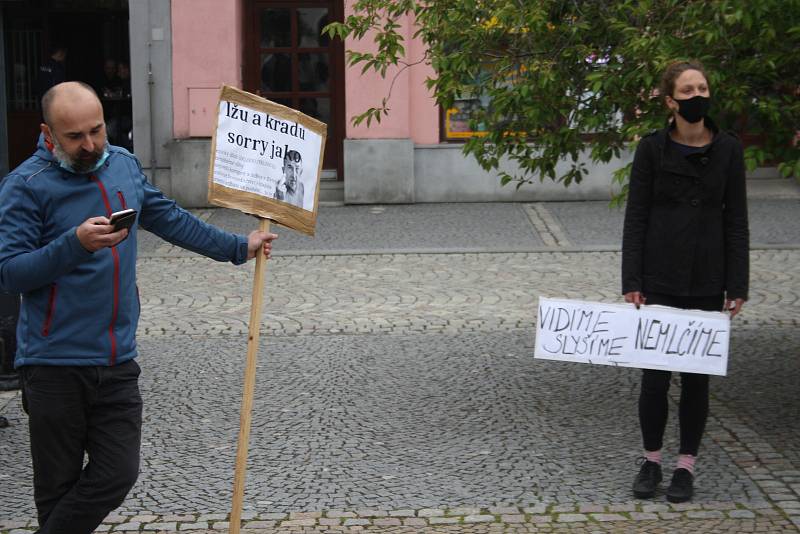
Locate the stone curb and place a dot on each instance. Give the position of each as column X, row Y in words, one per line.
column 507, row 515
column 476, row 250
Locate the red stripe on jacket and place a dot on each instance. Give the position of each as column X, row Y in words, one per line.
column 51, row 310
column 115, row 255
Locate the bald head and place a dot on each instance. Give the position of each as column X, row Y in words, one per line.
column 73, row 128
column 65, row 100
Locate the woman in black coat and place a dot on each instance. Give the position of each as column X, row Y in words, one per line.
column 686, row 245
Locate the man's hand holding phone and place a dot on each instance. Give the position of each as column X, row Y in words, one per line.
column 102, row 232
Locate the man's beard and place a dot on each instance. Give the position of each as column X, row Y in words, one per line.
column 84, row 162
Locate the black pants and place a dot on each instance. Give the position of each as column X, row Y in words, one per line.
column 77, row 410
column 653, row 403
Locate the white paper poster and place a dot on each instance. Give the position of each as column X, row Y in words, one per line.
column 263, row 154
column 652, row 337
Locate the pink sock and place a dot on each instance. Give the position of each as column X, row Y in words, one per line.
column 653, row 456
column 686, row 461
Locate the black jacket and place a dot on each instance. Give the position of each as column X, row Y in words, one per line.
column 51, row 73
column 686, row 227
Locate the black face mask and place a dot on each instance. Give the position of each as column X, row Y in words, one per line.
column 694, row 109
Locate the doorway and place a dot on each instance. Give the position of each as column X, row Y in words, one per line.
column 288, row 61
column 80, row 38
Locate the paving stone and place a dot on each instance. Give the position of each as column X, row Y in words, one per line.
column 608, row 517
column 591, row 508
column 200, row 525
column 538, row 509
column 261, row 524
column 442, row 521
column 309, row 522
column 372, row 513
column 387, row 522
column 177, row 518
column 705, row 514
column 356, row 522
column 782, row 496
column 741, row 514
column 478, row 518
column 212, row 517
column 402, row 513
column 684, row 506
column 161, row 526
column 655, row 508
column 719, row 506
column 622, row 508
column 463, row 511
column 428, row 512
column 143, row 518
column 564, row 508
column 126, row 527
column 305, row 515
column 500, row 510
column 338, row 513
column 572, row 518
column 275, row 516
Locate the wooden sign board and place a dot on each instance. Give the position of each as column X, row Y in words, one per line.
column 266, row 160
column 651, row 337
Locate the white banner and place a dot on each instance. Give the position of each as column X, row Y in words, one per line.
column 652, row 337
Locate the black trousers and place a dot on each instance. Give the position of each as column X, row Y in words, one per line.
column 653, row 403
column 77, row 410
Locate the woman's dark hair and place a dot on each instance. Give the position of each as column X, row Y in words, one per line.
column 673, row 72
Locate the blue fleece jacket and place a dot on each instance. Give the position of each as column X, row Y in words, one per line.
column 82, row 308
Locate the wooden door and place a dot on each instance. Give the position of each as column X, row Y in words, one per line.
column 289, row 61
column 30, row 28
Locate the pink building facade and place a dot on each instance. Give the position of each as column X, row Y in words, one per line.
column 274, row 48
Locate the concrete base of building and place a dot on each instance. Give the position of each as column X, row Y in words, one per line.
column 379, row 171
column 442, row 173
column 189, row 160
column 389, row 171
column 395, row 171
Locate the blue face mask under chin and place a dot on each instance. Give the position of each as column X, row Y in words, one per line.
column 96, row 166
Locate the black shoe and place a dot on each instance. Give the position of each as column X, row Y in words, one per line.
column 647, row 480
column 681, row 488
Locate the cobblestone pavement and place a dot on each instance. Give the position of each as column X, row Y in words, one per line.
column 397, row 391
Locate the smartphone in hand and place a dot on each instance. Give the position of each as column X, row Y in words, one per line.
column 122, row 219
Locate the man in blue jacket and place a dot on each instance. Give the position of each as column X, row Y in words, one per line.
column 80, row 306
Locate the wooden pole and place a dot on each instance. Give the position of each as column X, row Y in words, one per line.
column 249, row 387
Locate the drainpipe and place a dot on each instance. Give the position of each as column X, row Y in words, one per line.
column 150, row 91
